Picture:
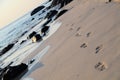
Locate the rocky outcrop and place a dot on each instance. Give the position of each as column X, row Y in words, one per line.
column 45, row 30
column 61, row 2
column 6, row 49
column 61, row 13
column 31, row 35
column 14, row 72
column 51, row 14
column 37, row 10
column 37, row 38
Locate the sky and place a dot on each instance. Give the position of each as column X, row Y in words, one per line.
column 10, row 10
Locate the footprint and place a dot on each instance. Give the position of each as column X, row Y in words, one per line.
column 98, row 48
column 93, row 8
column 78, row 34
column 88, row 34
column 100, row 66
column 97, row 65
column 72, row 24
column 78, row 29
column 71, row 29
column 84, row 45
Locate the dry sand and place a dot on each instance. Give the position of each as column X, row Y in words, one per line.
column 89, row 35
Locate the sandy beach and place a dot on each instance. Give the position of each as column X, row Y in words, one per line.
column 81, row 44
column 86, row 46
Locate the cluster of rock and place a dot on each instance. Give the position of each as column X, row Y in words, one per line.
column 13, row 72
column 36, row 37
column 16, row 72
column 61, row 2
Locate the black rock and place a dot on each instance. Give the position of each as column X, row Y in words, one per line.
column 31, row 61
column 24, row 33
column 37, row 10
column 7, row 48
column 62, row 2
column 23, row 41
column 38, row 37
column 32, row 19
column 45, row 30
column 48, row 7
column 61, row 13
column 51, row 14
column 31, row 35
column 108, row 1
column 48, row 21
column 14, row 72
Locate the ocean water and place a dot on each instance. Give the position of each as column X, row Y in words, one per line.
column 14, row 31
column 19, row 30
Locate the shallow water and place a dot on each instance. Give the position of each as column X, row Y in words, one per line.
column 14, row 31
column 20, row 30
